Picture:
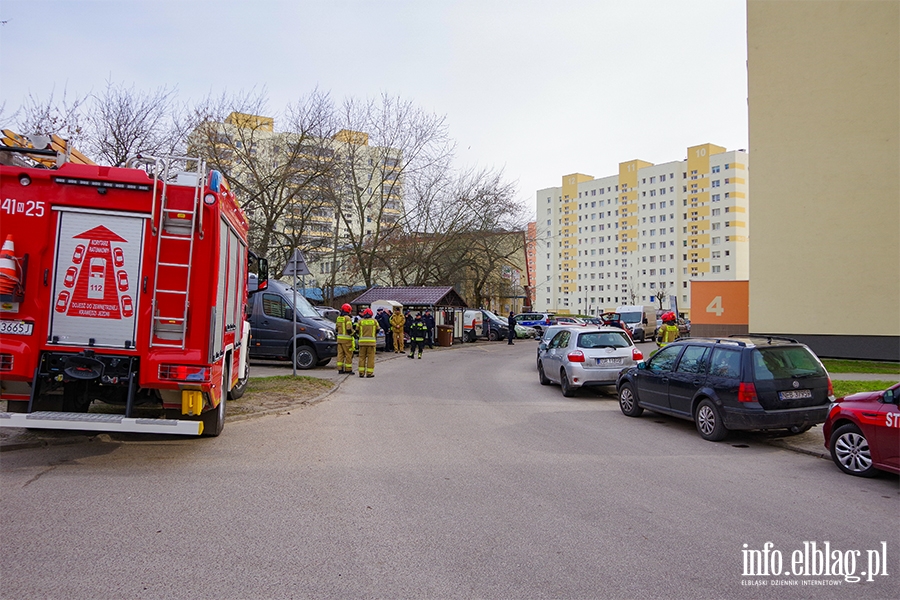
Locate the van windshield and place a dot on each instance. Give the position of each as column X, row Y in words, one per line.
column 785, row 363
column 631, row 317
column 304, row 308
column 493, row 317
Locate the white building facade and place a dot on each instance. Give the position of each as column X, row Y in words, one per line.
column 643, row 234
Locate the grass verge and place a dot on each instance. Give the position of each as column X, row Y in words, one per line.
column 279, row 392
column 860, row 366
column 843, row 387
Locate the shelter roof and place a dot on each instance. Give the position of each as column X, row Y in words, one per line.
column 413, row 296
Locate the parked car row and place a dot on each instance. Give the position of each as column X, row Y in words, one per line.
column 729, row 384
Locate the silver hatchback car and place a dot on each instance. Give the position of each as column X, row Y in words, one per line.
column 578, row 357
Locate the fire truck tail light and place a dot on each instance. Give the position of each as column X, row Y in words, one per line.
column 190, row 373
column 6, row 362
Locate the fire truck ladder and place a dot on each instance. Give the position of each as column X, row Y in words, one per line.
column 175, row 238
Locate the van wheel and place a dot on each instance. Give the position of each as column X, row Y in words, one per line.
column 709, row 422
column 305, row 358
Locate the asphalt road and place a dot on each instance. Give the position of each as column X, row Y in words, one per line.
column 454, row 476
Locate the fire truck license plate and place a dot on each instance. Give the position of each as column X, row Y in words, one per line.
column 16, row 327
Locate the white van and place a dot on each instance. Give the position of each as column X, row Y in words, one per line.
column 641, row 320
column 473, row 325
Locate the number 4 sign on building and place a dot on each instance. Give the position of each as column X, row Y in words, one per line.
column 720, row 302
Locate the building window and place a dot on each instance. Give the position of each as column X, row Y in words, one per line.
column 716, row 241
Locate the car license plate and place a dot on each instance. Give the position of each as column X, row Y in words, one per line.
column 609, row 361
column 795, row 394
column 16, row 327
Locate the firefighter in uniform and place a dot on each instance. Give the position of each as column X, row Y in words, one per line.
column 669, row 331
column 368, row 329
column 418, row 331
column 397, row 323
column 345, row 332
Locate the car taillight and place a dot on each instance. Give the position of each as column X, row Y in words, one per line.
column 747, row 393
column 190, row 373
column 577, row 356
column 830, row 390
column 637, row 355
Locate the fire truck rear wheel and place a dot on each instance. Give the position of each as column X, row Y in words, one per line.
column 214, row 420
column 306, row 357
column 238, row 390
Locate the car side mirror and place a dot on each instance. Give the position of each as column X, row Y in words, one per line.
column 888, row 397
column 642, row 365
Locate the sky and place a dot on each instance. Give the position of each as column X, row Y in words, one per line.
column 535, row 89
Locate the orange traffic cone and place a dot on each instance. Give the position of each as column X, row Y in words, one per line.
column 9, row 276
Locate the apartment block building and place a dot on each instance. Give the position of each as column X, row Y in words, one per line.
column 326, row 190
column 642, row 235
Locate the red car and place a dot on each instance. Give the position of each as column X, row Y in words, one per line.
column 862, row 431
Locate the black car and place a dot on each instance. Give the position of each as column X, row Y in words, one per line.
column 724, row 384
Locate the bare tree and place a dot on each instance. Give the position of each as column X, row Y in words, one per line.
column 662, row 293
column 279, row 177
column 407, row 146
column 632, row 291
column 123, row 122
column 52, row 116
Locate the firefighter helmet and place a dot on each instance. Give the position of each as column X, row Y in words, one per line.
column 346, row 308
column 367, row 313
column 668, row 316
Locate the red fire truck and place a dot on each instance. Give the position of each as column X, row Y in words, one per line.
column 122, row 294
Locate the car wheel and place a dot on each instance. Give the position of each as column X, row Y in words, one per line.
column 567, row 390
column 305, row 358
column 493, row 335
column 709, row 422
column 628, row 401
column 542, row 375
column 643, row 337
column 798, row 429
column 850, row 451
column 471, row 336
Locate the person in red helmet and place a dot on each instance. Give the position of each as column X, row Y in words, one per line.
column 368, row 329
column 345, row 331
column 668, row 333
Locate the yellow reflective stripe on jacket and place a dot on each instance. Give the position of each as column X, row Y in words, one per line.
column 367, row 331
column 344, row 327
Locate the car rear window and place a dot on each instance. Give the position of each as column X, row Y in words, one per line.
column 608, row 339
column 785, row 362
column 725, row 363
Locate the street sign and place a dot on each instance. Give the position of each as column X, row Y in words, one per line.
column 296, row 265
